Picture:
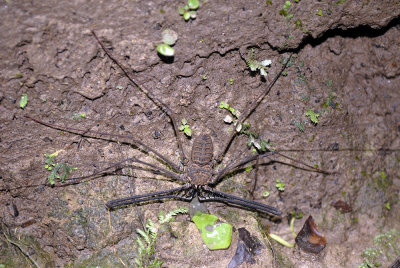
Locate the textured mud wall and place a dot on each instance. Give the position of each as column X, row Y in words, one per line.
column 346, row 55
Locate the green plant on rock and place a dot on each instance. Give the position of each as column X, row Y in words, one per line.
column 185, row 128
column 58, row 170
column 188, row 11
column 169, row 38
column 147, row 238
column 255, row 65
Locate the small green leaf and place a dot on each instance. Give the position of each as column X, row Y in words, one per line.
column 265, row 194
column 319, row 12
column 184, row 121
column 313, row 116
column 24, row 101
column 223, row 105
column 193, row 4
column 181, row 128
column 279, row 185
column 181, row 10
column 387, row 205
column 287, row 5
column 188, row 132
column 165, row 50
column 186, row 15
column 214, row 234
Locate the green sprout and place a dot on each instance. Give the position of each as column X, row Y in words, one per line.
column 58, row 170
column 204, row 77
column 285, row 11
column 313, row 116
column 265, row 194
column 188, row 11
column 230, row 81
column 165, row 50
column 249, row 168
column 255, row 65
column 319, row 12
column 387, row 205
column 384, row 248
column 119, row 87
column 169, row 38
column 19, row 75
column 185, row 128
column 300, row 126
column 23, row 101
column 77, row 116
column 329, row 102
column 282, row 241
column 147, row 237
column 280, row 185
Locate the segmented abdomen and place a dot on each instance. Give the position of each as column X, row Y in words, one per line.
column 202, row 150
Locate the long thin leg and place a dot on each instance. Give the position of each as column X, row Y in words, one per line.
column 161, row 195
column 231, row 167
column 248, row 110
column 127, row 139
column 76, row 180
column 155, row 170
column 149, row 94
column 214, row 195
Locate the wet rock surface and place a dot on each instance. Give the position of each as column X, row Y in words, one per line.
column 345, row 68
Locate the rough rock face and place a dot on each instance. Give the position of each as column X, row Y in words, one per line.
column 345, row 69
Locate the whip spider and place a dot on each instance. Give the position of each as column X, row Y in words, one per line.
column 198, row 174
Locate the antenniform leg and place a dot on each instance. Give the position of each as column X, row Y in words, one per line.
column 248, row 110
column 149, row 94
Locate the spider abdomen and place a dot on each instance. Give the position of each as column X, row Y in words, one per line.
column 202, row 150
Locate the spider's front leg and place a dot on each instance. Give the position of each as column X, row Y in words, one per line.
column 150, row 95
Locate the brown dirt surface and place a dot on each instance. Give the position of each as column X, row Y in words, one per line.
column 345, row 67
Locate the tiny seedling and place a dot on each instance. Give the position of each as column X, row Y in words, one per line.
column 265, row 194
column 119, row 87
column 282, row 241
column 280, row 185
column 313, row 116
column 169, row 38
column 165, row 50
column 58, row 170
column 77, row 116
column 255, row 65
column 188, row 11
column 300, row 126
column 23, row 101
column 230, row 81
column 319, row 12
column 254, row 138
column 185, row 128
column 147, row 237
column 285, row 11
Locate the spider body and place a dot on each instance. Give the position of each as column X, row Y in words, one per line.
column 200, row 168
